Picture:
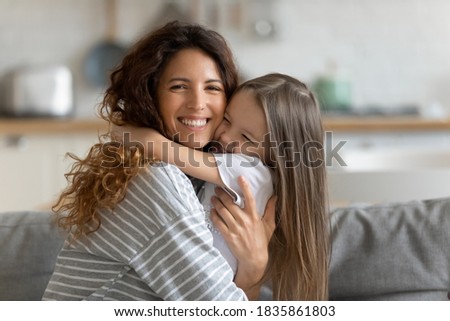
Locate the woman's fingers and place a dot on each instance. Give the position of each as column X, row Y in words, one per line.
column 225, row 207
column 218, row 222
column 221, row 211
column 249, row 200
column 226, row 201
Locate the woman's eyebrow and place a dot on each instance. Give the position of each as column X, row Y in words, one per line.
column 188, row 80
column 214, row 80
column 179, row 79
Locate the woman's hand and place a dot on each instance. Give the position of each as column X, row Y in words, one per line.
column 246, row 233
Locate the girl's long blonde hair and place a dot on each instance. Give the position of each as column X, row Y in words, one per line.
column 299, row 249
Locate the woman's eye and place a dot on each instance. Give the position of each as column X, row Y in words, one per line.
column 178, row 87
column 214, row 88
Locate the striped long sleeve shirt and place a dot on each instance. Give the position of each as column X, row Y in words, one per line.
column 155, row 245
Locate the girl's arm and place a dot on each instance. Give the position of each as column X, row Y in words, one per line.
column 192, row 162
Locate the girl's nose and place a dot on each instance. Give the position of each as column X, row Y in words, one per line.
column 226, row 140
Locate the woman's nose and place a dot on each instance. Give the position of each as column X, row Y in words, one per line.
column 197, row 100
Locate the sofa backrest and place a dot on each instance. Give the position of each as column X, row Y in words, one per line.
column 29, row 244
column 396, row 251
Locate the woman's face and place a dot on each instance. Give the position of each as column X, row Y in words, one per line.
column 191, row 98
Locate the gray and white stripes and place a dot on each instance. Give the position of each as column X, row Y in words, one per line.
column 154, row 246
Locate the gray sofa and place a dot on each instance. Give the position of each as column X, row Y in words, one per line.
column 384, row 252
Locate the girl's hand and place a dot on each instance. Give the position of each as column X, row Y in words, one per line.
column 246, row 233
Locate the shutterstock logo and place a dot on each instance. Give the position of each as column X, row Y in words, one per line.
column 284, row 152
column 332, row 152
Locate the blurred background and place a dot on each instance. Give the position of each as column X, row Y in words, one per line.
column 381, row 70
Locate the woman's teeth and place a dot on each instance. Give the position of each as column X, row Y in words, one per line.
column 194, row 123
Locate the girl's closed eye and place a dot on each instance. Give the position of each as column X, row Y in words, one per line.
column 247, row 139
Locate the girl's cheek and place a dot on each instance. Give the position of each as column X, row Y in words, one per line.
column 219, row 131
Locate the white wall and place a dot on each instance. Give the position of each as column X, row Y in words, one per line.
column 395, row 51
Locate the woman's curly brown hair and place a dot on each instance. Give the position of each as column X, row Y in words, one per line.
column 101, row 178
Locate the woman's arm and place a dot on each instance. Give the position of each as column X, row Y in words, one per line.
column 178, row 260
column 192, row 162
column 247, row 235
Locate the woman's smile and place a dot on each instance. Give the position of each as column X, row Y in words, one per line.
column 194, row 123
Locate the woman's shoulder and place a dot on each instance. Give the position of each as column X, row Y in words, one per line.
column 157, row 197
column 163, row 171
column 165, row 180
column 166, row 173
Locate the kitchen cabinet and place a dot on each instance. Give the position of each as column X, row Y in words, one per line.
column 370, row 134
column 420, row 140
column 32, row 167
column 390, row 165
column 33, row 161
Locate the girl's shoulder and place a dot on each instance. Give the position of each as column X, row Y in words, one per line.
column 240, row 164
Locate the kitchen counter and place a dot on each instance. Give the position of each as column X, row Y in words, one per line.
column 9, row 126
column 385, row 124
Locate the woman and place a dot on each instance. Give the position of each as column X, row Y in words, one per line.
column 137, row 228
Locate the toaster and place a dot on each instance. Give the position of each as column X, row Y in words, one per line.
column 45, row 91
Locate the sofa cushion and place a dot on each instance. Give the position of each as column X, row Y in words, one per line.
column 396, row 251
column 29, row 244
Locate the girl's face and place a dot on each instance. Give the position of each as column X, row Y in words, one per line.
column 191, row 98
column 243, row 127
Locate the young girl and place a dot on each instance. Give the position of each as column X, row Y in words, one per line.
column 273, row 120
